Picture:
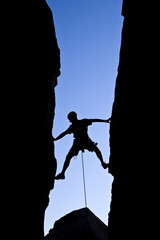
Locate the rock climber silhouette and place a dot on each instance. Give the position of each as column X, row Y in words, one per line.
column 79, row 128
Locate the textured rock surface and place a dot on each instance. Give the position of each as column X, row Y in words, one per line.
column 132, row 140
column 32, row 63
column 80, row 224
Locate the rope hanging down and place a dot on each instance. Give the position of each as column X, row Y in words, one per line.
column 84, row 184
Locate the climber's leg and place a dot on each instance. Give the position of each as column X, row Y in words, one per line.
column 99, row 155
column 72, row 152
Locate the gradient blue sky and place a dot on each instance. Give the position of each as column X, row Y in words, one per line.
column 89, row 36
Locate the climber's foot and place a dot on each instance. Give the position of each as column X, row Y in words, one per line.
column 60, row 176
column 105, row 165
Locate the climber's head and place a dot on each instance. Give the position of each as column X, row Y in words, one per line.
column 72, row 116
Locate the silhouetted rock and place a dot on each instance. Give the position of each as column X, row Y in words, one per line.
column 80, row 224
column 32, row 61
column 132, row 140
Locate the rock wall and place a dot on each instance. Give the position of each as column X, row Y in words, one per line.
column 132, row 137
column 32, row 65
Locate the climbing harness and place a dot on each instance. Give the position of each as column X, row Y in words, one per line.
column 84, row 183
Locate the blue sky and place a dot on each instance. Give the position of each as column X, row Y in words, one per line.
column 89, row 36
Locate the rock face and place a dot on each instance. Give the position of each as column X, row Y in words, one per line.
column 80, row 224
column 32, row 61
column 132, row 139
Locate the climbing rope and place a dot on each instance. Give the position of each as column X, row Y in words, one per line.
column 84, row 184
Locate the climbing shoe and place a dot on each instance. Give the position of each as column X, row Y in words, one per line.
column 60, row 176
column 105, row 165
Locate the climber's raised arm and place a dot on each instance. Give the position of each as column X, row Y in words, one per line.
column 100, row 120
